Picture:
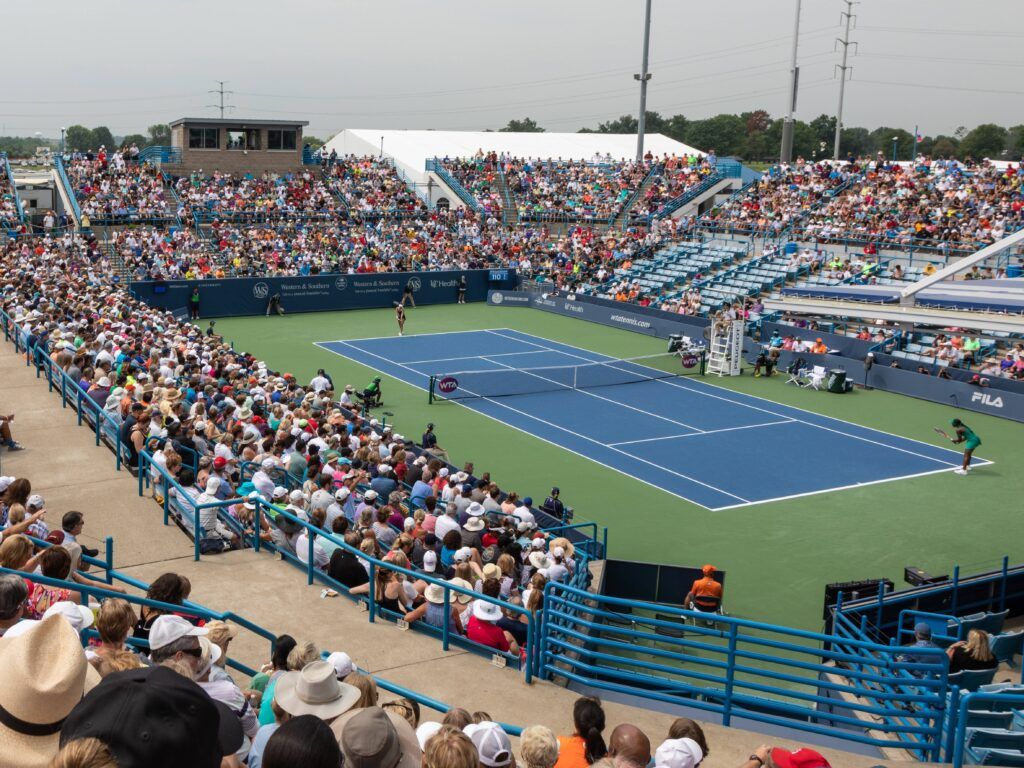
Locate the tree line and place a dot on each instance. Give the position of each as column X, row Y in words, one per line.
column 756, row 136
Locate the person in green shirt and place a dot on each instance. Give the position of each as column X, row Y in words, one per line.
column 965, row 435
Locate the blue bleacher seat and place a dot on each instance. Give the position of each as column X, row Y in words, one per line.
column 995, row 738
column 994, row 757
column 972, row 679
column 1005, row 646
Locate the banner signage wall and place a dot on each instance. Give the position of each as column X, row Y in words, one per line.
column 318, row 293
column 659, row 324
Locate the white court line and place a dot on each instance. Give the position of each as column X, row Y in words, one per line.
column 472, row 357
column 592, row 394
column 407, row 336
column 544, row 439
column 981, row 462
column 951, row 462
column 709, row 432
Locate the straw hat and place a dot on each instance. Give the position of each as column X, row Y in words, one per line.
column 434, row 593
column 464, row 599
column 315, row 690
column 46, row 675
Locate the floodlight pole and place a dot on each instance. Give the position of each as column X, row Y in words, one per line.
column 643, row 77
column 787, row 125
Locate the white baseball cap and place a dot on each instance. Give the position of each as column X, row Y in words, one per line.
column 492, row 743
column 678, row 753
column 370, row 495
column 430, row 561
column 35, row 501
column 79, row 616
column 425, row 731
column 341, row 494
column 342, row 664
column 168, row 628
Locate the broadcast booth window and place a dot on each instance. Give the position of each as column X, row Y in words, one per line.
column 203, row 138
column 281, row 139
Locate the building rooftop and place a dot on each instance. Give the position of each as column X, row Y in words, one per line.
column 236, row 122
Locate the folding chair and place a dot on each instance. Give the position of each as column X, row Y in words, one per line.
column 816, row 377
column 796, row 376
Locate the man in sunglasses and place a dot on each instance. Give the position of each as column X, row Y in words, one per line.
column 172, row 637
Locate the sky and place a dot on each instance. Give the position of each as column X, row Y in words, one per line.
column 475, row 64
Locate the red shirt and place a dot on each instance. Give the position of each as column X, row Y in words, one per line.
column 486, row 633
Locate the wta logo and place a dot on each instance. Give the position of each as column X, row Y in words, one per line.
column 447, row 385
column 689, row 361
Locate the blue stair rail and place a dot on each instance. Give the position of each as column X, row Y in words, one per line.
column 435, row 165
column 14, row 187
column 69, row 190
column 696, row 190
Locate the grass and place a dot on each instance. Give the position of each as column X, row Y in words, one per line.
column 778, row 555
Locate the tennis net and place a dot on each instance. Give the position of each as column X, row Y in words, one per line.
column 504, row 382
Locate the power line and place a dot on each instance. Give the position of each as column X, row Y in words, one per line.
column 957, row 32
column 944, row 59
column 971, row 89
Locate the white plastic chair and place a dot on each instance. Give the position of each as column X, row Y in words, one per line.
column 816, row 377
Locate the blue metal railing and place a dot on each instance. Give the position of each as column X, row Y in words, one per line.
column 696, row 190
column 437, row 166
column 65, row 182
column 14, row 187
column 310, row 156
column 861, row 692
column 159, row 155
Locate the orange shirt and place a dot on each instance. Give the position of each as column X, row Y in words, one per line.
column 571, row 752
column 706, row 587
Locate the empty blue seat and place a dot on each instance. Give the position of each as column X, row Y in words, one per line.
column 994, row 757
column 972, row 679
column 983, row 718
column 1005, row 646
column 995, row 738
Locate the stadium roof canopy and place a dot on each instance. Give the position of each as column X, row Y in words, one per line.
column 411, row 149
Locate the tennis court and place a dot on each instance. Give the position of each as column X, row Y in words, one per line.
column 706, row 444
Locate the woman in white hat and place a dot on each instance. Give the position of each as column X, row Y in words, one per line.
column 483, row 628
column 432, row 610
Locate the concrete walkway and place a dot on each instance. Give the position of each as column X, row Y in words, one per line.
column 65, row 466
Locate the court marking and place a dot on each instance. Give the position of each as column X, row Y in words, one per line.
column 948, row 466
column 980, row 462
column 534, row 435
column 469, row 357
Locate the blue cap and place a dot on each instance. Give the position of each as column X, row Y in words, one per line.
column 923, row 630
column 528, row 502
column 467, row 487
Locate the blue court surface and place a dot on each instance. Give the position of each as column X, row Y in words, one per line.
column 706, row 444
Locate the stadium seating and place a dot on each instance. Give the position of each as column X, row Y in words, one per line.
column 112, row 189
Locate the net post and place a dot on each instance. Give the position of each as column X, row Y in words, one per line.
column 704, row 362
column 430, row 390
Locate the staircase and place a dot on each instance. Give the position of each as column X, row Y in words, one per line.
column 509, row 209
column 621, row 219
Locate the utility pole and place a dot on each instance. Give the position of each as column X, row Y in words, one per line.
column 222, row 93
column 848, row 16
column 786, row 154
column 643, row 77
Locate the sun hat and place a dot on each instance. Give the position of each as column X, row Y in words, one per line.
column 678, row 753
column 315, row 690
column 484, row 611
column 372, row 738
column 154, row 717
column 492, row 571
column 342, row 664
column 492, row 743
column 475, row 509
column 425, row 731
column 459, row 582
column 78, row 616
column 168, row 628
column 540, row 560
column 434, row 593
column 474, row 524
column 45, row 677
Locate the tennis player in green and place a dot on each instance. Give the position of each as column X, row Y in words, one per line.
column 965, row 435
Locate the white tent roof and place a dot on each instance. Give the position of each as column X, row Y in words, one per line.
column 411, row 149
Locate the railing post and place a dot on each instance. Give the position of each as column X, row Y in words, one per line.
column 730, row 676
column 952, row 722
column 109, row 547
column 956, row 592
column 1002, row 582
column 310, row 537
column 257, row 521
column 371, row 593
column 197, row 533
column 445, row 630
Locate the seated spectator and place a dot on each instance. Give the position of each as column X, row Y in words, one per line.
column 586, row 745
column 538, row 747
column 706, row 592
column 971, row 654
column 305, row 740
column 629, row 746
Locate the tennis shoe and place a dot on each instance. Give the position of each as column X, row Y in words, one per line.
column 960, row 471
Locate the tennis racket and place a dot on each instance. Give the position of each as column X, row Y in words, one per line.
column 942, row 433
